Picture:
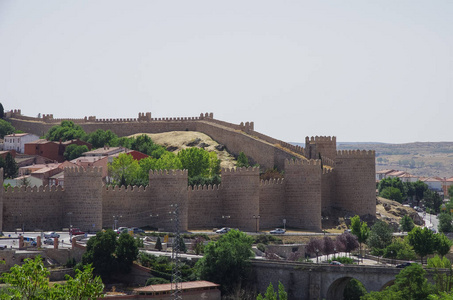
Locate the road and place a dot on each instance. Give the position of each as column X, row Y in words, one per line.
column 430, row 220
column 11, row 239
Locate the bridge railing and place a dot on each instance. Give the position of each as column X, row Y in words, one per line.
column 388, row 261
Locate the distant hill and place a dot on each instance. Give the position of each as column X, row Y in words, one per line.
column 420, row 158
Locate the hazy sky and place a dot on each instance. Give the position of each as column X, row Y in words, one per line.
column 360, row 70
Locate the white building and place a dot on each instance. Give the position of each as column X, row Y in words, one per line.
column 16, row 141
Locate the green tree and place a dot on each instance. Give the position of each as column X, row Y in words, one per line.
column 442, row 244
column 226, row 261
column 125, row 170
column 145, row 144
column 400, row 249
column 443, row 281
column 380, row 235
column 74, row 151
column 445, row 222
column 354, row 290
column 433, row 200
column 158, row 244
column 100, row 252
column 126, row 252
column 392, row 193
column 31, row 281
column 2, row 111
column 196, row 161
column 101, row 138
column 272, row 295
column 28, row 281
column 11, row 169
column 6, row 128
column 167, row 161
column 420, row 189
column 422, row 240
column 67, row 130
column 242, row 160
column 82, row 286
column 406, row 223
column 450, row 191
column 360, row 230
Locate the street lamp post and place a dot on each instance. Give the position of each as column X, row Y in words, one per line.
column 70, row 219
column 335, row 252
column 256, row 222
column 115, row 220
column 226, row 218
column 317, row 251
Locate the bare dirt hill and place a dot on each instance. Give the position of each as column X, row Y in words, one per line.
column 175, row 141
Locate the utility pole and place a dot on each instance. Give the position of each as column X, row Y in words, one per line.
column 176, row 272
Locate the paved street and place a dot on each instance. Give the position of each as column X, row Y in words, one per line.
column 11, row 239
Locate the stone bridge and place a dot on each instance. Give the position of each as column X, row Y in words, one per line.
column 308, row 281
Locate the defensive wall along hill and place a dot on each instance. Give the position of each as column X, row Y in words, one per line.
column 316, row 179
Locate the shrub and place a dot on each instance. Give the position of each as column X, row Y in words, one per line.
column 261, row 247
column 156, row 280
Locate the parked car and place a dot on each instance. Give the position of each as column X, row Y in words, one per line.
column 223, row 230
column 48, row 242
column 3, row 247
column 51, row 234
column 277, row 231
column 137, row 230
column 336, row 263
column 76, row 231
column 406, row 264
column 120, row 230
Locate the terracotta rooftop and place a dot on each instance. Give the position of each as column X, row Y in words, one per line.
column 17, row 134
column 184, row 286
column 384, row 171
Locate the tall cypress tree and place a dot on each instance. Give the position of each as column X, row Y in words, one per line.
column 2, row 111
column 11, row 168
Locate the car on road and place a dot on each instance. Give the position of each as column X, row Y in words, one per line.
column 120, row 230
column 48, row 242
column 277, row 231
column 137, row 230
column 76, row 231
column 223, row 230
column 336, row 263
column 51, row 234
column 406, row 264
column 3, row 247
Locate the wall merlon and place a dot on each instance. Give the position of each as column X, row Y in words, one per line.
column 34, row 189
column 356, row 153
column 168, row 173
column 298, row 162
column 128, row 189
column 243, row 170
column 327, row 170
column 80, row 171
column 205, row 187
column 271, row 182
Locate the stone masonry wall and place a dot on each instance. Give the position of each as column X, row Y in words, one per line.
column 327, row 190
column 83, row 197
column 355, row 183
column 303, row 194
column 240, row 197
column 169, row 188
column 33, row 208
column 205, row 208
column 131, row 206
column 272, row 211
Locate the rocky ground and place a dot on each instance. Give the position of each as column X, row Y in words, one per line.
column 175, row 141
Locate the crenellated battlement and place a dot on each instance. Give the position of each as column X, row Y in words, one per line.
column 80, row 171
column 272, row 182
column 327, row 170
column 167, row 173
column 297, row 162
column 204, row 187
column 128, row 189
column 243, row 170
column 328, row 162
column 34, row 189
column 322, row 139
column 356, row 153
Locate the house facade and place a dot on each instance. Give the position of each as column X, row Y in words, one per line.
column 17, row 141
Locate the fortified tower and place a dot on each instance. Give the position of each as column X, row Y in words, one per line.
column 168, row 189
column 324, row 145
column 240, row 197
column 355, row 183
column 303, row 193
column 83, row 198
